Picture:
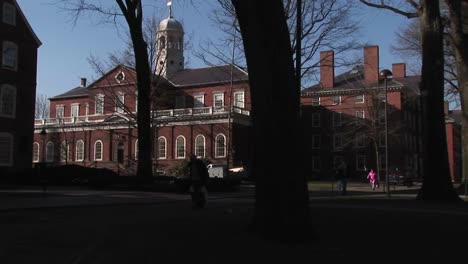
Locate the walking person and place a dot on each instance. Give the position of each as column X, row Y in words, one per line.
column 341, row 175
column 372, row 177
column 198, row 179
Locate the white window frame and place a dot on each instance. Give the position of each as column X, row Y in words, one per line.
column 334, row 100
column 5, row 90
column 99, row 104
column 75, row 110
column 79, row 150
column 136, row 149
column 120, row 102
column 361, row 98
column 182, row 147
column 5, row 63
column 358, row 113
column 316, row 119
column 163, row 139
column 59, row 111
column 198, row 100
column 200, row 149
column 100, row 150
column 218, row 97
column 239, row 102
column 7, row 152
column 218, row 148
column 316, row 101
column 11, row 10
column 50, row 151
column 36, row 153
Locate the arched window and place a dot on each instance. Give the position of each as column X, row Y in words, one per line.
column 162, row 42
column 200, row 146
column 180, row 147
column 162, row 150
column 50, row 151
column 136, row 149
column 79, row 155
column 220, row 146
column 98, row 150
column 35, row 156
column 64, row 151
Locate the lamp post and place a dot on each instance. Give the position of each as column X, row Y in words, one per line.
column 43, row 180
column 43, row 135
column 386, row 73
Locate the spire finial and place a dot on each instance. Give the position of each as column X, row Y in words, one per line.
column 169, row 4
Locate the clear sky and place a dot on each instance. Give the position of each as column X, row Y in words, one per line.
column 62, row 58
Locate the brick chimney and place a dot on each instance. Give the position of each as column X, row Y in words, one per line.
column 399, row 70
column 327, row 69
column 371, row 64
column 83, row 82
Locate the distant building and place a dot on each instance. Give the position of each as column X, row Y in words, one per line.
column 18, row 69
column 453, row 127
column 344, row 119
column 204, row 111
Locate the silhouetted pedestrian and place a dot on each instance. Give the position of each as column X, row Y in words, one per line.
column 198, row 180
column 341, row 175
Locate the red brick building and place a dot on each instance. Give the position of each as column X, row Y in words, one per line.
column 453, row 126
column 202, row 111
column 18, row 69
column 344, row 119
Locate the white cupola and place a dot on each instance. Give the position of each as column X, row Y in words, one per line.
column 170, row 38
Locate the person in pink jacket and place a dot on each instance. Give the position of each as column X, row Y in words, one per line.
column 372, row 177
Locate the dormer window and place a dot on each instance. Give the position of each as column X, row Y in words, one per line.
column 9, row 14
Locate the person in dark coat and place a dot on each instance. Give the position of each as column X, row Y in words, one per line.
column 198, row 180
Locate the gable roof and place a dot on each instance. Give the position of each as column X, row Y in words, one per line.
column 79, row 91
column 38, row 42
column 207, row 76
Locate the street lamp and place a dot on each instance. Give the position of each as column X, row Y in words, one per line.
column 386, row 73
column 43, row 180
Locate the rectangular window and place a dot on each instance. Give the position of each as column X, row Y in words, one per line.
column 315, row 119
column 198, row 101
column 315, row 101
column 361, row 163
column 120, row 103
column 9, row 55
column 6, row 149
column 75, row 110
column 9, row 14
column 161, row 148
column 239, row 99
column 316, row 141
column 359, row 99
column 336, row 118
column 336, row 100
column 337, row 141
column 179, row 101
column 360, row 114
column 7, row 100
column 99, row 104
column 337, row 161
column 59, row 111
column 218, row 100
column 316, row 163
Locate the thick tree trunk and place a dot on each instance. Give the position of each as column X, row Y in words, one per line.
column 437, row 183
column 282, row 202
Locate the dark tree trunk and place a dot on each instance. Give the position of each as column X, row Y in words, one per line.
column 458, row 39
column 133, row 13
column 437, row 184
column 282, row 201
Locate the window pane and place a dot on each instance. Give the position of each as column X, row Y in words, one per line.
column 200, row 146
column 239, row 99
column 219, row 100
column 98, row 151
column 198, row 101
column 35, row 152
column 50, row 152
column 6, row 148
column 9, row 14
column 80, row 150
column 180, row 147
column 10, row 53
column 220, row 146
column 7, row 100
column 162, row 148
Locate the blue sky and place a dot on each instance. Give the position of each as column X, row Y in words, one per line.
column 62, row 56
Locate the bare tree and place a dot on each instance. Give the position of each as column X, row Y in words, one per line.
column 325, row 25
column 132, row 12
column 41, row 110
column 437, row 184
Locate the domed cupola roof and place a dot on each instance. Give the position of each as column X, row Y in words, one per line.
column 170, row 23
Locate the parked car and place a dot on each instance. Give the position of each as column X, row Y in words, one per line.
column 400, row 179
